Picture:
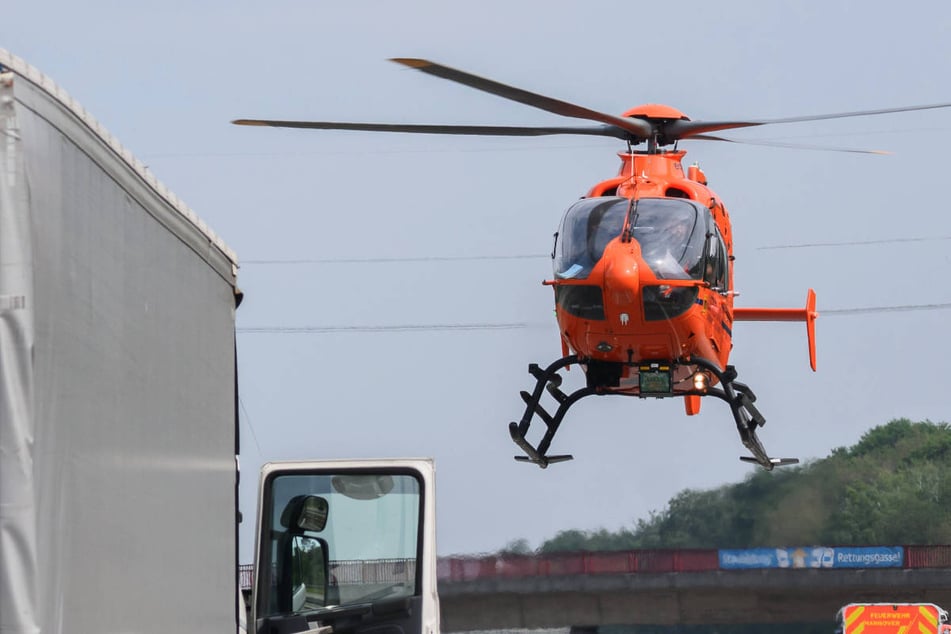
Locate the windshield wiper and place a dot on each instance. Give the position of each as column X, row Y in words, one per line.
column 341, row 618
column 629, row 221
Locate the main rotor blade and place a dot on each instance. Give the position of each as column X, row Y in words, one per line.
column 794, row 146
column 685, row 129
column 637, row 129
column 482, row 130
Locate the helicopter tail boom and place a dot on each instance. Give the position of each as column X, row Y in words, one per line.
column 807, row 314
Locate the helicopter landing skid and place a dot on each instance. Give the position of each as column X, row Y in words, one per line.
column 737, row 395
column 740, row 398
column 547, row 379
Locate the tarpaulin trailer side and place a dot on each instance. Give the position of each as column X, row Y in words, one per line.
column 117, row 384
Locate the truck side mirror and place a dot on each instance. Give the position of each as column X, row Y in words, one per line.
column 308, row 567
column 305, row 513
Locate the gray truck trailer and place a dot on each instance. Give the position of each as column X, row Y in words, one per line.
column 118, row 419
column 118, row 428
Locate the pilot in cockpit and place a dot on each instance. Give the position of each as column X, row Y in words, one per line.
column 662, row 244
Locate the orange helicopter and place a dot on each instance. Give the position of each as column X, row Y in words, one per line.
column 643, row 266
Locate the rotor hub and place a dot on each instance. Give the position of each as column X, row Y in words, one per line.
column 655, row 112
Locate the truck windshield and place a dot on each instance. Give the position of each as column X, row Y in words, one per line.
column 340, row 539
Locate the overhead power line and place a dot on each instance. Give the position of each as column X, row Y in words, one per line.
column 883, row 309
column 538, row 256
column 317, row 330
column 380, row 260
column 321, row 330
column 851, row 243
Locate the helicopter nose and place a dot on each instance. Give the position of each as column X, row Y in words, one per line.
column 622, row 283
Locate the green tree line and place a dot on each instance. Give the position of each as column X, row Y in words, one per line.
column 892, row 487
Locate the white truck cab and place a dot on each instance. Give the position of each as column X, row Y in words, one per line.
column 346, row 546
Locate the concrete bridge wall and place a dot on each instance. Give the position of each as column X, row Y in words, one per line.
column 768, row 596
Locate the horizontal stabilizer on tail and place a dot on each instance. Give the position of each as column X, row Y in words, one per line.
column 807, row 314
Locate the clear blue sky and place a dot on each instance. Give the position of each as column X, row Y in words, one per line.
column 167, row 77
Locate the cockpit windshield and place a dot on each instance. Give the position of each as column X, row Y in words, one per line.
column 671, row 237
column 670, row 231
column 585, row 230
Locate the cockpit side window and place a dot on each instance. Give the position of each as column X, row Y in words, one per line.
column 717, row 271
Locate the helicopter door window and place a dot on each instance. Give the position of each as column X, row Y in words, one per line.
column 672, row 234
column 587, row 228
column 722, row 277
column 716, row 263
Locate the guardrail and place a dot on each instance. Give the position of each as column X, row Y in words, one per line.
column 469, row 568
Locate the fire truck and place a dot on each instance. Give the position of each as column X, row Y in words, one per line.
column 892, row 618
